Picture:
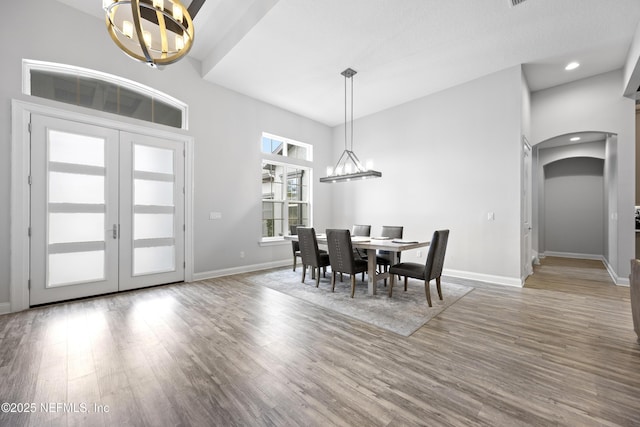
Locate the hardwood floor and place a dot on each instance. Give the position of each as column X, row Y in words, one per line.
column 225, row 352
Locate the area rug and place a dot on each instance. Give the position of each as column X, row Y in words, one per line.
column 402, row 314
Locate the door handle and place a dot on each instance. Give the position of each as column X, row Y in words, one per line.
column 115, row 231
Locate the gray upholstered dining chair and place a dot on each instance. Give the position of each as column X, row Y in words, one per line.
column 311, row 255
column 432, row 269
column 295, row 246
column 387, row 258
column 360, row 231
column 342, row 259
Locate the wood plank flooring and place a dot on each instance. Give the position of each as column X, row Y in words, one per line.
column 225, row 352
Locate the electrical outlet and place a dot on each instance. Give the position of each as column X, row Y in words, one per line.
column 241, row 254
column 419, row 254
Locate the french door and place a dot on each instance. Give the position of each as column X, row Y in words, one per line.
column 107, row 210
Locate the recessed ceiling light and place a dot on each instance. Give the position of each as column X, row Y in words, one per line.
column 575, row 138
column 572, row 66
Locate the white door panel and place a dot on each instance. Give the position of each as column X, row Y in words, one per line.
column 74, row 202
column 107, row 210
column 152, row 199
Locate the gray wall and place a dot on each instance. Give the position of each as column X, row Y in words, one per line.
column 447, row 160
column 597, row 104
column 574, row 206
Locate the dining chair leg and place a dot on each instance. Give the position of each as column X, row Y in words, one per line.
column 363, row 276
column 304, row 272
column 392, row 280
column 353, row 285
column 439, row 288
column 405, row 283
column 385, row 269
column 295, row 260
column 341, row 276
column 426, row 290
column 317, row 277
column 333, row 281
column 324, row 271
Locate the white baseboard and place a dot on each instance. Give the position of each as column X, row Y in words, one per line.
column 239, row 270
column 619, row 281
column 573, row 255
column 480, row 277
column 5, row 307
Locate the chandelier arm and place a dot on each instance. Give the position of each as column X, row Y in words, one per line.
column 356, row 161
column 135, row 11
column 339, row 161
column 163, row 34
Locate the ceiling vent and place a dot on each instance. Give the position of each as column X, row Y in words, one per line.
column 516, row 2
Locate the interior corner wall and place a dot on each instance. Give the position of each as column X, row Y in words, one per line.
column 226, row 127
column 597, row 104
column 448, row 160
column 545, row 156
column 574, row 208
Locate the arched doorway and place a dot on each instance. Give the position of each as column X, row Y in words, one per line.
column 574, row 197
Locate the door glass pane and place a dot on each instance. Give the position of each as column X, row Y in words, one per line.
column 153, row 226
column 75, row 267
column 152, row 159
column 76, row 149
column 75, row 188
column 153, row 260
column 76, row 227
column 157, row 193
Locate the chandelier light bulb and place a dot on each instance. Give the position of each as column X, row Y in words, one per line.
column 127, row 29
column 179, row 42
column 147, row 38
column 158, row 4
column 177, row 12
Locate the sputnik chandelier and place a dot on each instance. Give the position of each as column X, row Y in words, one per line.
column 157, row 32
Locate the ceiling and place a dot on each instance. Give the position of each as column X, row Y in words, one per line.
column 290, row 53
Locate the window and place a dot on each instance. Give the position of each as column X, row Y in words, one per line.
column 286, row 185
column 103, row 92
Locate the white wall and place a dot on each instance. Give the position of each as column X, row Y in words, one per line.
column 574, row 208
column 447, row 160
column 597, row 104
column 226, row 126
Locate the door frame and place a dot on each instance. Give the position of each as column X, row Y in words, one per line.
column 20, row 193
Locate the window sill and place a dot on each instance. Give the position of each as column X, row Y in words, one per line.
column 278, row 241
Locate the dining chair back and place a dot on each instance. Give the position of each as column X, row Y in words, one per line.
column 386, row 258
column 311, row 255
column 432, row 269
column 295, row 246
column 341, row 257
column 360, row 231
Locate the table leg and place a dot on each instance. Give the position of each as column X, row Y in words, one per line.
column 372, row 281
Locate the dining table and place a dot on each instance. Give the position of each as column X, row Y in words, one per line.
column 371, row 245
